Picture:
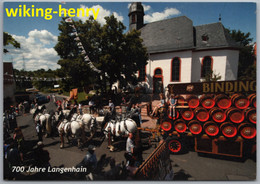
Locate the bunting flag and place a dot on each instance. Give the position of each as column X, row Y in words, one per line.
column 80, row 46
column 86, row 58
column 77, row 38
column 74, row 34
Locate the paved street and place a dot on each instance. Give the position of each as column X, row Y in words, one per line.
column 187, row 166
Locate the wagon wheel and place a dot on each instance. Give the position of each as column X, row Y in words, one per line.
column 175, row 146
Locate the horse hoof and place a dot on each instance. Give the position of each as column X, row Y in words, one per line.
column 61, row 147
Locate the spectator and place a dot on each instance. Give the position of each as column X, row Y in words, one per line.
column 12, row 154
column 111, row 107
column 54, row 98
column 41, row 156
column 12, row 120
column 91, row 104
column 26, row 106
column 159, row 106
column 167, row 95
column 172, row 105
column 90, row 160
column 32, row 105
column 6, row 120
column 129, row 148
column 19, row 140
column 80, row 109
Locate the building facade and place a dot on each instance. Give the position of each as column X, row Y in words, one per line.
column 182, row 53
column 9, row 84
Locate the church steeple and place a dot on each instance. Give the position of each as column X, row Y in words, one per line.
column 136, row 16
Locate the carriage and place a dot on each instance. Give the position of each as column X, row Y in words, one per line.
column 212, row 118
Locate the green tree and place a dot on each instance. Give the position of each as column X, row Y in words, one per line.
column 211, row 76
column 246, row 68
column 8, row 39
column 117, row 55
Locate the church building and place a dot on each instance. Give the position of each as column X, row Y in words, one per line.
column 182, row 53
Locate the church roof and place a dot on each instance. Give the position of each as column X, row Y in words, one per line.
column 168, row 35
column 213, row 35
column 179, row 34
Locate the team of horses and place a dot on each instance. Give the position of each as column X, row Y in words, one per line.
column 70, row 123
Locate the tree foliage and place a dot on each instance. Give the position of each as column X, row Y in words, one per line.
column 117, row 55
column 246, row 66
column 8, row 39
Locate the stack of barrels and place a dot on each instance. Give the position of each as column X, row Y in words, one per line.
column 217, row 115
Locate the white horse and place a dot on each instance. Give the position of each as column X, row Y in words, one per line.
column 119, row 128
column 77, row 126
column 45, row 122
column 39, row 108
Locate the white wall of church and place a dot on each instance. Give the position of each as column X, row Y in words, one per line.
column 223, row 61
column 163, row 61
column 232, row 65
column 225, row 64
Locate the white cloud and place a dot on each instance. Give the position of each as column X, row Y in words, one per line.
column 156, row 16
column 101, row 14
column 36, row 51
column 146, row 7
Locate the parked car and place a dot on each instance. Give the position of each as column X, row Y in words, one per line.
column 41, row 99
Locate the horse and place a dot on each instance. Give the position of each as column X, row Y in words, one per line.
column 115, row 128
column 41, row 115
column 77, row 126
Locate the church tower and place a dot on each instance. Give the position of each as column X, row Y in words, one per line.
column 136, row 16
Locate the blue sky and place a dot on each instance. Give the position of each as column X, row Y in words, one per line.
column 38, row 36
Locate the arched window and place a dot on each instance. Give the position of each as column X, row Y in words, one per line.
column 206, row 66
column 158, row 71
column 176, row 69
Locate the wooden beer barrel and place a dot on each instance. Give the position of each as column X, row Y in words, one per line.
column 235, row 115
column 187, row 114
column 201, row 114
column 250, row 115
column 240, row 101
column 252, row 100
column 211, row 128
column 177, row 114
column 223, row 101
column 217, row 114
column 195, row 127
column 228, row 129
column 207, row 101
column 247, row 130
column 180, row 126
column 180, row 100
column 166, row 126
column 193, row 101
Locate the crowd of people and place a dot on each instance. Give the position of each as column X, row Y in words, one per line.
column 15, row 146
